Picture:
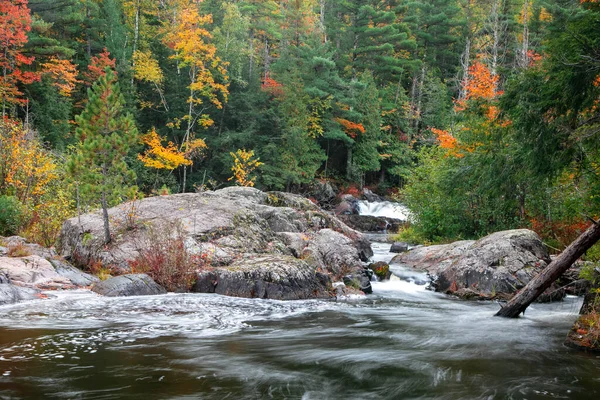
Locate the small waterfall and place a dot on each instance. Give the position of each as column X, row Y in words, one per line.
column 386, row 209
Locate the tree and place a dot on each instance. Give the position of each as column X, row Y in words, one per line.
column 106, row 135
column 15, row 22
column 243, row 166
column 189, row 38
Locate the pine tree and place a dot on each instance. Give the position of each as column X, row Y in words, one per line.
column 106, row 134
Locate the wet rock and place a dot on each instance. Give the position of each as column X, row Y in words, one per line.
column 128, row 285
column 381, row 269
column 348, row 205
column 368, row 195
column 495, row 266
column 399, row 247
column 360, row 281
column 10, row 294
column 369, row 223
column 266, row 277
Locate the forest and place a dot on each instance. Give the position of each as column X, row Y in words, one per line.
column 479, row 115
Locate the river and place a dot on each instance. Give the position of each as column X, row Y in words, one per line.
column 401, row 342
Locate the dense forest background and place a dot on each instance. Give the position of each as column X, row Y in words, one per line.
column 479, row 115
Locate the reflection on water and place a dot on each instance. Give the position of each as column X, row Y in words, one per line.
column 402, row 342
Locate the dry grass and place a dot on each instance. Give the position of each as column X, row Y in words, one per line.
column 18, row 250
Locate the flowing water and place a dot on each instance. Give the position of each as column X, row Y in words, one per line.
column 386, row 209
column 402, row 342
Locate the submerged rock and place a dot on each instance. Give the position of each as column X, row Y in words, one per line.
column 226, row 231
column 495, row 266
column 128, row 285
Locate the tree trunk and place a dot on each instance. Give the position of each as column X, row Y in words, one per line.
column 552, row 272
column 349, row 163
column 105, row 218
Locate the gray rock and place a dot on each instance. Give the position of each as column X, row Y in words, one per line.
column 333, row 252
column 219, row 227
column 266, row 277
column 360, row 281
column 368, row 195
column 324, row 192
column 128, row 285
column 370, row 223
column 10, row 294
column 399, row 247
column 495, row 266
column 76, row 276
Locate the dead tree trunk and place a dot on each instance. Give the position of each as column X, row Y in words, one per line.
column 552, row 272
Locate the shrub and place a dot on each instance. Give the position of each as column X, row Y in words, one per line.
column 11, row 215
column 163, row 255
column 19, row 250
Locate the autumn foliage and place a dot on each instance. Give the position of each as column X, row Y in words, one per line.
column 15, row 22
column 63, row 74
column 26, row 168
column 158, row 156
column 352, row 129
column 97, row 67
column 243, row 166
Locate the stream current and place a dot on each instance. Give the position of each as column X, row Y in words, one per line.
column 401, row 342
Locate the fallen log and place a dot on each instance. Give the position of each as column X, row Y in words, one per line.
column 552, row 272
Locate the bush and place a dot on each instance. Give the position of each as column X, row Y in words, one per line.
column 11, row 215
column 163, row 255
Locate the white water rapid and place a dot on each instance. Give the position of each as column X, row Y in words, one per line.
column 386, row 209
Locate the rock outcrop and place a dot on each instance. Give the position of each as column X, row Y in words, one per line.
column 250, row 243
column 37, row 272
column 495, row 266
column 128, row 285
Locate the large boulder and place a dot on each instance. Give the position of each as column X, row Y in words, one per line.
column 128, row 285
column 266, row 277
column 220, row 229
column 10, row 294
column 495, row 266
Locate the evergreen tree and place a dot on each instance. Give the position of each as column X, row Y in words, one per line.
column 106, row 135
